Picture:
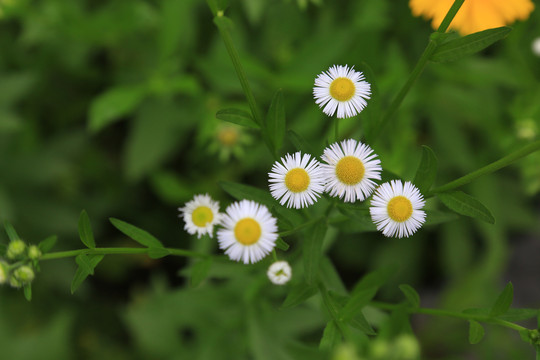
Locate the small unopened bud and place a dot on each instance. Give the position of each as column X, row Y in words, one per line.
column 33, row 252
column 407, row 346
column 279, row 272
column 3, row 272
column 24, row 274
column 15, row 249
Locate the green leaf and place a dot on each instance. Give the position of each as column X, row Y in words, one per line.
column 312, row 251
column 358, row 321
column 87, row 264
column 85, row 231
column 476, row 332
column 503, row 302
column 281, row 244
column 427, row 170
column 46, row 245
column 300, row 143
column 357, row 301
column 375, row 279
column 331, row 336
column 28, row 292
column 464, row 204
column 436, row 217
column 275, row 122
column 199, row 271
column 371, row 115
column 237, row 116
column 467, row 45
column 157, row 252
column 217, row 5
column 411, row 295
column 11, row 233
column 139, row 235
column 241, row 191
column 298, row 294
column 114, row 104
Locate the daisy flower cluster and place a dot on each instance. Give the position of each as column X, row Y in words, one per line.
column 349, row 171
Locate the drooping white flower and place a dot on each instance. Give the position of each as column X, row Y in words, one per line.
column 296, row 181
column 200, row 215
column 350, row 170
column 396, row 209
column 249, row 231
column 343, row 90
column 279, row 272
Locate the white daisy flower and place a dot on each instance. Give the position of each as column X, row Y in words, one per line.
column 200, row 215
column 396, row 209
column 279, row 272
column 342, row 89
column 249, row 231
column 297, row 181
column 350, row 170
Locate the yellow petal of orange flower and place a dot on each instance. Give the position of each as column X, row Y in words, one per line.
column 474, row 15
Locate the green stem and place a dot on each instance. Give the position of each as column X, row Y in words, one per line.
column 336, row 129
column 419, row 67
column 494, row 166
column 222, row 24
column 446, row 313
column 331, row 309
column 116, row 251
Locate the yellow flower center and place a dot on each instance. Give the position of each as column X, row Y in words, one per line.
column 399, row 208
column 247, row 231
column 350, row 170
column 202, row 216
column 228, row 136
column 342, row 89
column 297, row 180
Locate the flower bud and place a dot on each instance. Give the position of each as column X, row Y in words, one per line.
column 279, row 272
column 15, row 249
column 24, row 274
column 33, row 252
column 407, row 346
column 3, row 272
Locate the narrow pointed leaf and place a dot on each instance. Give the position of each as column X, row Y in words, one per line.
column 237, row 116
column 358, row 321
column 275, row 122
column 282, row 245
column 412, row 296
column 199, row 271
column 298, row 294
column 241, row 191
column 312, row 251
column 46, row 245
column 427, row 170
column 139, row 235
column 28, row 292
column 87, row 264
column 114, row 104
column 467, row 45
column 375, row 279
column 476, row 332
column 356, row 303
column 464, row 204
column 331, row 337
column 300, row 143
column 11, row 233
column 503, row 302
column 85, row 231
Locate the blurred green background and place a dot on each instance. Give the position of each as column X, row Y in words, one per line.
column 109, row 106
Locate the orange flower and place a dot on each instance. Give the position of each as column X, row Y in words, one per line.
column 474, row 15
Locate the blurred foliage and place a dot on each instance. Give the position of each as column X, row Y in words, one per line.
column 109, row 106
